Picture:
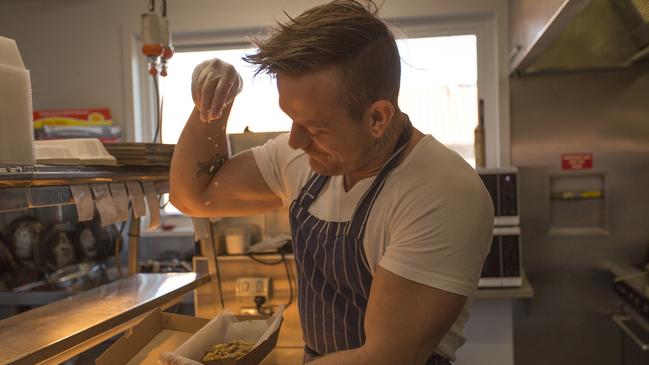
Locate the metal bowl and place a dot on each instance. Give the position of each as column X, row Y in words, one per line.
column 77, row 278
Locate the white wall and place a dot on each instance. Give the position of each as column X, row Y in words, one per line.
column 75, row 48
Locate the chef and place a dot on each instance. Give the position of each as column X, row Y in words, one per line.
column 390, row 228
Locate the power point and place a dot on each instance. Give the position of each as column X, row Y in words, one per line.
column 251, row 287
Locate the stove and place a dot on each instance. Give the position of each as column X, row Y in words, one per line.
column 632, row 284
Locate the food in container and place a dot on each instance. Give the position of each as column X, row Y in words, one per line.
column 56, row 248
column 232, row 350
column 93, row 242
column 23, row 233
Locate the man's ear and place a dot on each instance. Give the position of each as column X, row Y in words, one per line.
column 380, row 115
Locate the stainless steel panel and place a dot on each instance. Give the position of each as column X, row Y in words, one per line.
column 534, row 25
column 607, row 114
column 38, row 334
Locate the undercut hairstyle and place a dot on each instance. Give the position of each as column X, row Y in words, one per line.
column 344, row 35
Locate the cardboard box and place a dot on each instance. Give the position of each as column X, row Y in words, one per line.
column 188, row 338
column 157, row 333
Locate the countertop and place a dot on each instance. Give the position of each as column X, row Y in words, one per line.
column 54, row 329
column 284, row 356
column 523, row 292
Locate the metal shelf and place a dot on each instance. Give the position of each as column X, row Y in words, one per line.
column 47, row 175
column 60, row 330
column 42, row 186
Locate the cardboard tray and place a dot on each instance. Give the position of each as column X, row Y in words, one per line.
column 164, row 332
column 158, row 332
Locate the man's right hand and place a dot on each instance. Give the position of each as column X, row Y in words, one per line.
column 214, row 86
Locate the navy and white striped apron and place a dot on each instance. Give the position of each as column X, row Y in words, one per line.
column 334, row 277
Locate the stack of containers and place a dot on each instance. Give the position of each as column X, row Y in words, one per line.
column 16, row 131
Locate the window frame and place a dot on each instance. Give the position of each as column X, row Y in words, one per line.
column 491, row 87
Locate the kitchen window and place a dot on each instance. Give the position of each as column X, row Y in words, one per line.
column 447, row 66
column 438, row 90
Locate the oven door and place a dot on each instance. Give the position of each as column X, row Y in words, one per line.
column 635, row 337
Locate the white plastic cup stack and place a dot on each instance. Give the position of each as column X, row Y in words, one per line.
column 16, row 127
column 237, row 240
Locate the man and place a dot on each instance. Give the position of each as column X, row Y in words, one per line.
column 390, row 228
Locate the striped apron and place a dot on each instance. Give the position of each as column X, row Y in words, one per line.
column 334, row 277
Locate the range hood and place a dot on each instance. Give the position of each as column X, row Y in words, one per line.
column 588, row 35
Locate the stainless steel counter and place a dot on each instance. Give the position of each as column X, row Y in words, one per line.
column 61, row 329
column 634, row 277
column 524, row 292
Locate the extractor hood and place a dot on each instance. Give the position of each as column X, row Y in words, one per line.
column 589, row 35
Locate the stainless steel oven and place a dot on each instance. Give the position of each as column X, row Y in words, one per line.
column 632, row 285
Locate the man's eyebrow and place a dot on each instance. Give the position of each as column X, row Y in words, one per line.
column 315, row 125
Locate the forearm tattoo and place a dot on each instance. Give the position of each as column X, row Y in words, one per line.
column 209, row 168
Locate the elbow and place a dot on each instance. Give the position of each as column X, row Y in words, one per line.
column 192, row 205
column 181, row 204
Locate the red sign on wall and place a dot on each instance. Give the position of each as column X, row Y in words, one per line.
column 576, row 161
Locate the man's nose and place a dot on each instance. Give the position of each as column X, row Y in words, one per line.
column 299, row 137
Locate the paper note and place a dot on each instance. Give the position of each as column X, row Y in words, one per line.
column 83, row 200
column 120, row 199
column 136, row 196
column 153, row 203
column 105, row 205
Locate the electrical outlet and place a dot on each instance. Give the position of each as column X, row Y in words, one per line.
column 253, row 287
column 249, row 311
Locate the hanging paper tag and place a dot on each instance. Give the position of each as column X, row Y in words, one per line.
column 136, row 196
column 120, row 199
column 105, row 205
column 154, row 204
column 83, row 200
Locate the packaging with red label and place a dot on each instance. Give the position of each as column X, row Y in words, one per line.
column 72, row 117
column 76, row 123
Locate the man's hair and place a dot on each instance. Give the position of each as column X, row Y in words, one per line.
column 345, row 35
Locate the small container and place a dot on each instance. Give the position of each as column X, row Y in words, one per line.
column 237, row 240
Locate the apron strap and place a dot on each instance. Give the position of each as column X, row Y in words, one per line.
column 361, row 213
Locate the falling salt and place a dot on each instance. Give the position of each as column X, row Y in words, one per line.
column 216, row 183
column 209, row 138
column 208, row 202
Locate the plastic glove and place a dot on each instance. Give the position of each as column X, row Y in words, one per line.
column 214, row 86
column 168, row 358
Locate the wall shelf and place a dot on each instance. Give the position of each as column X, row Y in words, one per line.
column 43, row 186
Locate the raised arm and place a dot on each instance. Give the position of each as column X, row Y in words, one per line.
column 199, row 185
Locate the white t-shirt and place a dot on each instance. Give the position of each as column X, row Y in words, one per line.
column 432, row 222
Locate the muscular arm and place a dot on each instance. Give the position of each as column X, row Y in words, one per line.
column 404, row 323
column 197, row 187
